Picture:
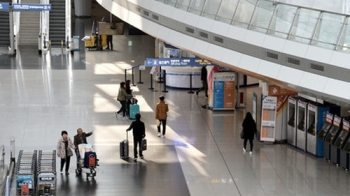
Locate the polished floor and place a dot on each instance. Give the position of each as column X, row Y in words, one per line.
column 201, row 154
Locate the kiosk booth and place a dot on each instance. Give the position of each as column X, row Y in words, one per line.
column 345, row 148
column 315, row 121
column 291, row 116
column 330, row 137
column 301, row 128
column 324, row 131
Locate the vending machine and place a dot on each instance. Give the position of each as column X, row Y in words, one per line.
column 301, row 124
column 330, row 137
column 291, row 116
column 315, row 120
column 328, row 123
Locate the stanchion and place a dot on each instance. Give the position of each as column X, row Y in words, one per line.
column 164, row 81
column 139, row 82
column 191, row 92
column 132, row 77
column 161, row 79
column 125, row 75
column 152, row 89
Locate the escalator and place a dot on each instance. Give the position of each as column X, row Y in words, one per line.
column 57, row 22
column 4, row 26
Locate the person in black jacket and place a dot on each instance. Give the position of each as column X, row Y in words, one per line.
column 204, row 74
column 138, row 130
column 249, row 130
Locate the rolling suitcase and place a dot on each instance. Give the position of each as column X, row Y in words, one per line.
column 124, row 148
column 90, row 159
column 133, row 110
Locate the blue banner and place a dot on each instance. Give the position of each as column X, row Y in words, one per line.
column 4, row 6
column 31, row 7
column 150, row 62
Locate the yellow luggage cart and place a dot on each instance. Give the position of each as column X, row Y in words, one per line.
column 93, row 42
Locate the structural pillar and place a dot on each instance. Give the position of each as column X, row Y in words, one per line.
column 83, row 8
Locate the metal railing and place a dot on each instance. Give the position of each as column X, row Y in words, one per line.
column 315, row 27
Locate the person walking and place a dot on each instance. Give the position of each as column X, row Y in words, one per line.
column 64, row 151
column 122, row 98
column 80, row 137
column 249, row 130
column 204, row 87
column 109, row 42
column 138, row 130
column 161, row 115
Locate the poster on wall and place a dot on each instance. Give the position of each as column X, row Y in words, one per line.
column 268, row 119
column 223, row 91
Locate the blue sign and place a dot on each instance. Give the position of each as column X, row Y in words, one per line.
column 31, row 7
column 150, row 62
column 219, row 96
column 5, row 6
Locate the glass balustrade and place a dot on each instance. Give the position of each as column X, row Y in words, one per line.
column 305, row 25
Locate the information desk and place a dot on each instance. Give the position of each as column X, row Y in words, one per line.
column 179, row 77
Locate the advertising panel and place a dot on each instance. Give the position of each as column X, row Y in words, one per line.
column 268, row 119
column 223, row 91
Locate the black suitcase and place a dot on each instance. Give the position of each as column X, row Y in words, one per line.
column 124, row 148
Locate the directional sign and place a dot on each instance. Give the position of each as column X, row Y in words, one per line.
column 4, row 6
column 176, row 62
column 31, row 7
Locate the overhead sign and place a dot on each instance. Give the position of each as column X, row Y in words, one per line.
column 31, row 7
column 150, row 62
column 4, row 6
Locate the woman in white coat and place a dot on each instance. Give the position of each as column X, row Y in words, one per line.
column 64, row 146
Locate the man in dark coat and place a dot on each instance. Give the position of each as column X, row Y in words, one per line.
column 80, row 137
column 204, row 76
column 138, row 130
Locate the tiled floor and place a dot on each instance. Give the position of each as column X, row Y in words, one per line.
column 201, row 154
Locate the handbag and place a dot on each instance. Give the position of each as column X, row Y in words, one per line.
column 242, row 134
column 144, row 144
column 69, row 153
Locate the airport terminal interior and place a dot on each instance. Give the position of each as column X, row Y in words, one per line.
column 201, row 154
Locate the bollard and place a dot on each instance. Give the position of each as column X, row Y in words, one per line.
column 164, row 81
column 191, row 92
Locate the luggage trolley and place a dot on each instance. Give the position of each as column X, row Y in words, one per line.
column 25, row 173
column 46, row 173
column 86, row 159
